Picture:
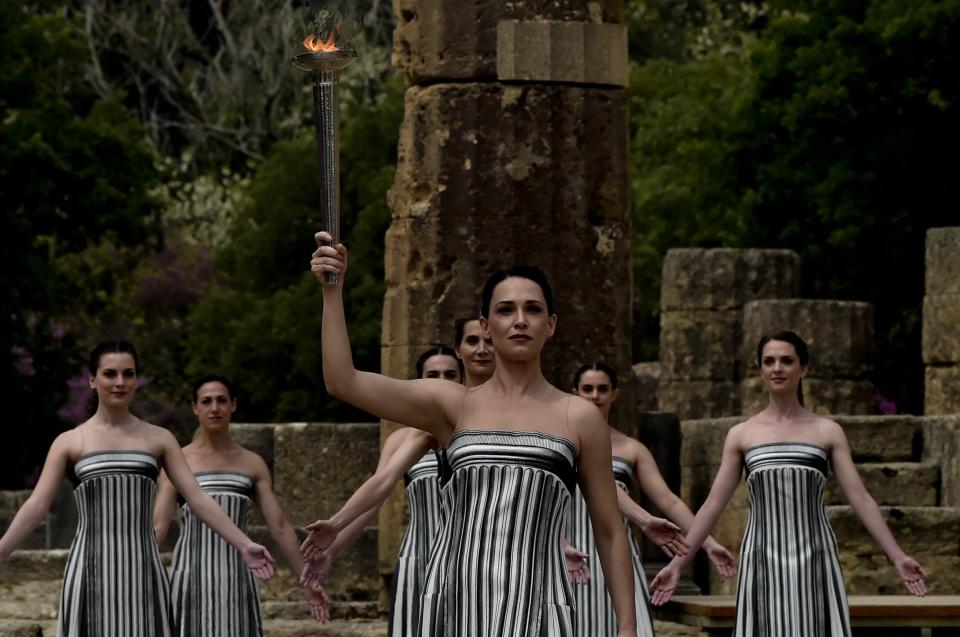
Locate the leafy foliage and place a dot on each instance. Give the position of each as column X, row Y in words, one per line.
column 74, row 171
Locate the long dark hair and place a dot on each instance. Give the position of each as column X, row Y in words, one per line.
column 438, row 350
column 520, row 271
column 799, row 345
column 597, row 366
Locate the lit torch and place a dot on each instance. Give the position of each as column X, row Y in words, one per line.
column 324, row 60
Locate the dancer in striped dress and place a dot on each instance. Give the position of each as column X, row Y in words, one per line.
column 516, row 440
column 790, row 581
column 408, row 454
column 114, row 583
column 213, row 594
column 633, row 464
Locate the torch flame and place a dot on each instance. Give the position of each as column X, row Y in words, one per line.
column 315, row 43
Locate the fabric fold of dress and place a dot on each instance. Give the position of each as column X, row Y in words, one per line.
column 423, row 499
column 595, row 614
column 497, row 569
column 789, row 581
column 114, row 584
column 214, row 593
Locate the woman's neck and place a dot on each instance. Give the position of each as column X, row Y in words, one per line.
column 113, row 416
column 784, row 408
column 518, row 378
column 216, row 440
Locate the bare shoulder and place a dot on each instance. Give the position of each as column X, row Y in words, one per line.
column 738, row 436
column 830, row 432
column 253, row 464
column 160, row 436
column 68, row 444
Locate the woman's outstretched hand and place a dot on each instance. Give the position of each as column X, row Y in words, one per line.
column 327, row 258
column 663, row 585
column 321, row 535
column 315, row 572
column 912, row 575
column 319, row 601
column 721, row 558
column 258, row 559
column 666, row 535
column 577, row 565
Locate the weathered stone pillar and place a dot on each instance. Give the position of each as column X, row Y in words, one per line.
column 941, row 322
column 840, row 337
column 513, row 149
column 702, row 295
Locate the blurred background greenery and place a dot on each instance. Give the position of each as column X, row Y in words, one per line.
column 157, row 173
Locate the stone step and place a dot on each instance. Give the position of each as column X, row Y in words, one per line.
column 310, row 628
column 931, row 535
column 297, row 610
column 893, row 484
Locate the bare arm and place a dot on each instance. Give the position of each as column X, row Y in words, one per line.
column 867, row 510
column 599, row 491
column 164, row 508
column 653, row 485
column 724, row 484
column 662, row 532
column 371, row 493
column 35, row 509
column 206, row 509
column 281, row 530
column 426, row 404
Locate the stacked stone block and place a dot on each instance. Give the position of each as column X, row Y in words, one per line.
column 703, row 292
column 840, row 337
column 941, row 322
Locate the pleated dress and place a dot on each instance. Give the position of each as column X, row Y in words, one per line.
column 595, row 614
column 789, row 581
column 214, row 593
column 114, row 584
column 423, row 499
column 497, row 568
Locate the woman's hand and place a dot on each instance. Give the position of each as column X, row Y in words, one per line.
column 315, row 571
column 258, row 559
column 319, row 601
column 577, row 565
column 912, row 575
column 666, row 535
column 321, row 536
column 721, row 558
column 663, row 585
column 327, row 258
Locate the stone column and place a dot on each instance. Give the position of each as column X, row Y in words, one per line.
column 702, row 295
column 840, row 337
column 941, row 322
column 513, row 149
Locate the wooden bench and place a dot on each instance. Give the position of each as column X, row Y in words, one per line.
column 869, row 614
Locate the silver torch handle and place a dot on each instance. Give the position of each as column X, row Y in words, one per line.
column 326, row 107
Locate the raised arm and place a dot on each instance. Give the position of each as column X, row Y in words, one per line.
column 651, row 481
column 35, row 509
column 427, row 404
column 370, row 495
column 867, row 510
column 600, row 493
column 257, row 557
column 164, row 508
column 724, row 484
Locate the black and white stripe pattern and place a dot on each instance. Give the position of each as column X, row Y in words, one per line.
column 214, row 593
column 423, row 498
column 114, row 583
column 497, row 569
column 595, row 613
column 789, row 581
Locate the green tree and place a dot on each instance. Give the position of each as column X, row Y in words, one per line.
column 262, row 326
column 73, row 171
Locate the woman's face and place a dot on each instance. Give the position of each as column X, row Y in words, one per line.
column 476, row 351
column 115, row 380
column 442, row 366
column 519, row 323
column 780, row 368
column 596, row 387
column 214, row 407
